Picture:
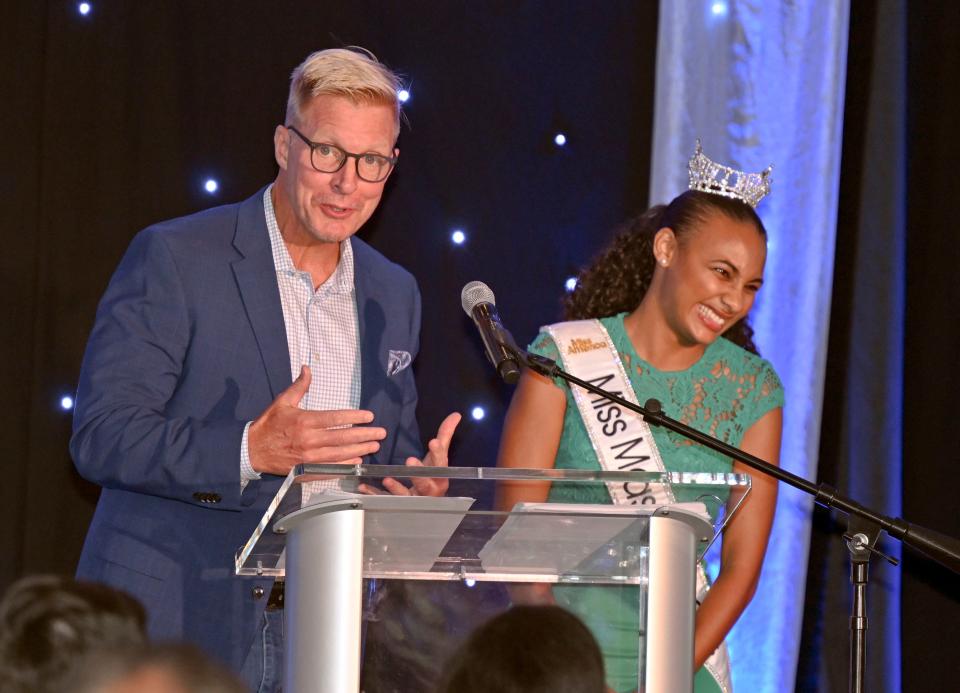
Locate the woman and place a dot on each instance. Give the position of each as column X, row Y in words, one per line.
column 671, row 293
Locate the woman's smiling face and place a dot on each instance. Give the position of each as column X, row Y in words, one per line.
column 711, row 276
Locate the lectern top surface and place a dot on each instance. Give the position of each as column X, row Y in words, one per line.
column 480, row 531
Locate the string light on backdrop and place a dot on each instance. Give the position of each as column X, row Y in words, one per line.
column 478, row 413
column 66, row 402
column 458, row 237
column 403, row 95
column 570, row 284
column 211, row 185
column 560, row 139
column 718, row 9
column 84, row 8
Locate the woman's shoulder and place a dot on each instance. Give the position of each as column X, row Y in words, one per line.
column 745, row 364
column 735, row 353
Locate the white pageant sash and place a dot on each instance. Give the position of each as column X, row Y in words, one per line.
column 621, row 439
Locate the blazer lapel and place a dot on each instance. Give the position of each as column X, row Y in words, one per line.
column 371, row 323
column 257, row 281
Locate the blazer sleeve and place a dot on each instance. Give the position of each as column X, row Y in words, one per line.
column 123, row 436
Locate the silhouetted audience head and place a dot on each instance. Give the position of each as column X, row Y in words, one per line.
column 528, row 649
column 166, row 668
column 50, row 626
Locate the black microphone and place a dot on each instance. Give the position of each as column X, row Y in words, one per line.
column 478, row 302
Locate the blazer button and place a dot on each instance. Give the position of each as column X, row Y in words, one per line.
column 257, row 592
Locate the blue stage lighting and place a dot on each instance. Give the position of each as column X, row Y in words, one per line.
column 719, row 9
column 458, row 237
column 84, row 8
column 66, row 402
column 403, row 95
column 478, row 413
column 560, row 139
column 211, row 185
column 570, row 284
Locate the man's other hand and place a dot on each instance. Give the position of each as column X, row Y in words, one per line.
column 437, row 456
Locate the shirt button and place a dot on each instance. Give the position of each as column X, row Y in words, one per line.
column 257, row 592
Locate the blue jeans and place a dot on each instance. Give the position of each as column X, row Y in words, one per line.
column 263, row 669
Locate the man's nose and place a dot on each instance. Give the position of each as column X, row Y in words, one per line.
column 345, row 180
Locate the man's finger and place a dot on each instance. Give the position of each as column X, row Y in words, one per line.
column 339, row 454
column 333, row 437
column 396, row 488
column 293, row 394
column 427, row 486
column 437, row 448
column 430, row 487
column 336, row 417
column 447, row 428
column 436, row 454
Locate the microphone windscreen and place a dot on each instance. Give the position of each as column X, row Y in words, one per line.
column 473, row 294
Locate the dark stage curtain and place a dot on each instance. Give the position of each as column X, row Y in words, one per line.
column 931, row 594
column 886, row 435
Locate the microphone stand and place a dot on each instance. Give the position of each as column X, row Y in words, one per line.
column 863, row 524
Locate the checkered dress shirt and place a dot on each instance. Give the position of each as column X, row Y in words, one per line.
column 322, row 332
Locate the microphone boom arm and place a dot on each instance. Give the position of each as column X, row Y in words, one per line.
column 939, row 547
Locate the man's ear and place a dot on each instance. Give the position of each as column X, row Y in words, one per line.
column 281, row 146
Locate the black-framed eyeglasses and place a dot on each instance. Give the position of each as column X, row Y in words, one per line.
column 329, row 158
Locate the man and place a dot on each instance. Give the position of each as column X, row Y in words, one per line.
column 186, row 415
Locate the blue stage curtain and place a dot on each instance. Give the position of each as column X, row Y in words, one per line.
column 763, row 83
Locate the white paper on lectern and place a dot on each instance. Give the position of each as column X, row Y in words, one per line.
column 534, row 540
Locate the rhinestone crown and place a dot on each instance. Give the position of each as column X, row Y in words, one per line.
column 709, row 176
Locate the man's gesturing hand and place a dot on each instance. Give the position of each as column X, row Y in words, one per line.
column 437, row 456
column 285, row 435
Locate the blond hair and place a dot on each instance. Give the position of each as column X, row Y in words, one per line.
column 354, row 73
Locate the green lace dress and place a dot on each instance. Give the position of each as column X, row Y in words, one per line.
column 723, row 394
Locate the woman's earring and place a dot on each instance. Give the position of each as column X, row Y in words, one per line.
column 663, row 261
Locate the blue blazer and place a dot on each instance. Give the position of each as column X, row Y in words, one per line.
column 188, row 345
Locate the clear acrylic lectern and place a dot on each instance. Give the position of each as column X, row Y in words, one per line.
column 382, row 588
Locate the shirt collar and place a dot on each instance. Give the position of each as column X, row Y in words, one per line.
column 341, row 281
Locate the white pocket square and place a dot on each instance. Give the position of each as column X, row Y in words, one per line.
column 397, row 361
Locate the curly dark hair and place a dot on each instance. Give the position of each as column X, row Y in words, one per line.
column 618, row 278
